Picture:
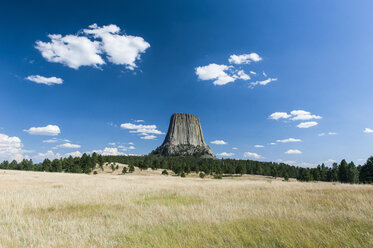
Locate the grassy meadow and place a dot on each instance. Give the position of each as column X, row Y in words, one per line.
column 146, row 209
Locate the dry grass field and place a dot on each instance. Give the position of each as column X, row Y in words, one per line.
column 145, row 209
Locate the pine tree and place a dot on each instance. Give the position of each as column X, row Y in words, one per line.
column 343, row 172
column 352, row 173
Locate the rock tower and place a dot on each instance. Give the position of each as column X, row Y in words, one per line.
column 184, row 137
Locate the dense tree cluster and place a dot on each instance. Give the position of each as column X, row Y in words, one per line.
column 343, row 172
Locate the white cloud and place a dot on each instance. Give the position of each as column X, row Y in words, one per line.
column 215, row 72
column 50, row 130
column 218, row 142
column 272, row 143
column 330, row 161
column 294, row 115
column 10, row 148
column 146, row 131
column 111, row 143
column 332, row 133
column 293, row 151
column 321, row 134
column 86, row 48
column 148, row 137
column 303, row 115
column 139, row 121
column 68, row 145
column 70, row 50
column 307, row 124
column 289, row 140
column 279, row 115
column 131, row 148
column 253, row 72
column 49, row 155
column 242, row 75
column 45, row 80
column 53, row 140
column 130, row 143
column 111, row 151
column 264, row 82
column 225, row 154
column 252, row 155
column 120, row 49
column 259, row 146
column 368, row 130
column 74, row 154
column 234, row 148
column 244, row 58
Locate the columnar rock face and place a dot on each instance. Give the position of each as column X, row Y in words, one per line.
column 184, row 137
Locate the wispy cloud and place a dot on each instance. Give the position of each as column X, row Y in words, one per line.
column 44, row 80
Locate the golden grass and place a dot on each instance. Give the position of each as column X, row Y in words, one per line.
column 146, row 209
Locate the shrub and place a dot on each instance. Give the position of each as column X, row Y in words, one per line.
column 286, row 177
column 218, row 176
column 164, row 172
column 131, row 168
column 117, row 167
column 202, row 175
column 95, row 172
column 124, row 171
column 182, row 174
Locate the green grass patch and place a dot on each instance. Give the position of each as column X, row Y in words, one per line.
column 83, row 210
column 168, row 199
column 268, row 232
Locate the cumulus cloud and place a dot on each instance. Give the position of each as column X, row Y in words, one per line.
column 146, row 131
column 49, row 130
column 71, row 50
column 74, row 154
column 68, row 145
column 244, row 58
column 293, row 151
column 279, row 115
column 289, row 140
column 120, row 49
column 252, row 155
column 86, row 48
column 49, row 155
column 225, row 154
column 44, row 80
column 10, row 148
column 263, row 82
column 222, row 74
column 259, row 146
column 303, row 115
column 294, row 115
column 218, row 142
column 215, row 72
column 109, row 151
column 307, row 124
column 368, row 130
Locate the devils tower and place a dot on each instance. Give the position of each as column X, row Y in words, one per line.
column 184, row 137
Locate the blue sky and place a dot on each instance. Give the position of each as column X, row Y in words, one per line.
column 113, row 63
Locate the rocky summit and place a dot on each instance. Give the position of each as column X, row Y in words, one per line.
column 184, row 137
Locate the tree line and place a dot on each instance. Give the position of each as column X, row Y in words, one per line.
column 343, row 172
